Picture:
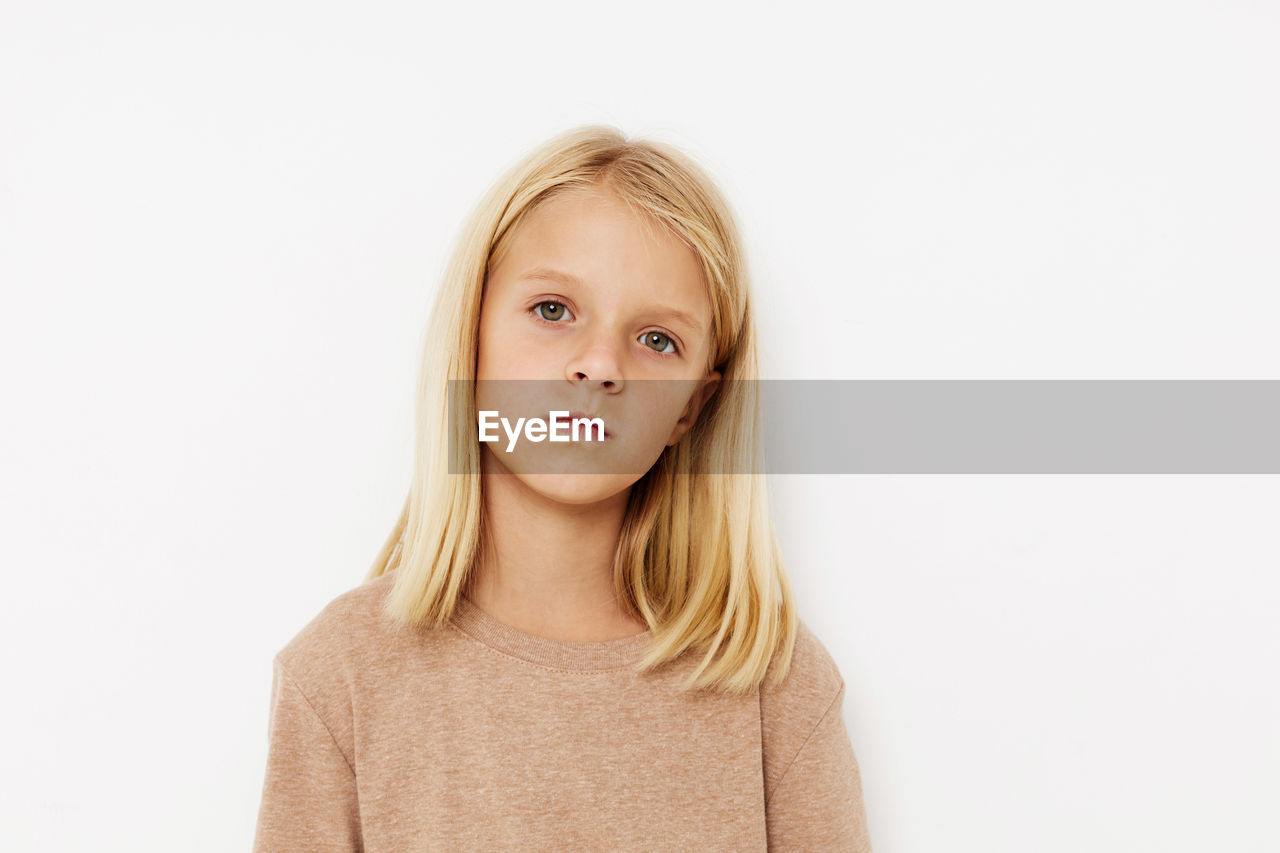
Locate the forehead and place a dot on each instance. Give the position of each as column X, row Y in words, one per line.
column 592, row 236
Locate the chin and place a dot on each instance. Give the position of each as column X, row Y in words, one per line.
column 578, row 489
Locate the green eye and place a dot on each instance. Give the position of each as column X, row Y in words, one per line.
column 658, row 338
column 551, row 314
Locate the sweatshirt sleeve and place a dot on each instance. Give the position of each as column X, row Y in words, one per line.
column 309, row 796
column 817, row 803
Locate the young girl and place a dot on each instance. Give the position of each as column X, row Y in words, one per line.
column 582, row 645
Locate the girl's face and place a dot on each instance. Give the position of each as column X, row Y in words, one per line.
column 592, row 310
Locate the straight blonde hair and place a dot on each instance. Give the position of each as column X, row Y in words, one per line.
column 697, row 557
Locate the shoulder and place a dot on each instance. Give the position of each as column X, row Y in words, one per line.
column 792, row 709
column 332, row 634
column 324, row 657
column 812, row 680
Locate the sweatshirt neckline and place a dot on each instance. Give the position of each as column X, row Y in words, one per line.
column 569, row 655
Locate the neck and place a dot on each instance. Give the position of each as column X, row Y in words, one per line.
column 547, row 568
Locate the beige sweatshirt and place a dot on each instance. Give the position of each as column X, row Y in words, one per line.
column 481, row 737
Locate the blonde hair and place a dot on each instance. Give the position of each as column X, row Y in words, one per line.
column 697, row 557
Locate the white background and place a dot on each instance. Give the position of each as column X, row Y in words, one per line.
column 220, row 228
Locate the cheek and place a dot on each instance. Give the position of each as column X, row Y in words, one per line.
column 652, row 410
column 509, row 349
column 494, row 358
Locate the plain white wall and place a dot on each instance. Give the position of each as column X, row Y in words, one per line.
column 221, row 227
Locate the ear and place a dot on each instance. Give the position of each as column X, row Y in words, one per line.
column 699, row 399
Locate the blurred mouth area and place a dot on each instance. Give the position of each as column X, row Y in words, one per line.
column 586, row 430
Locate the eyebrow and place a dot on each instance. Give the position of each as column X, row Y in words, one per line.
column 662, row 311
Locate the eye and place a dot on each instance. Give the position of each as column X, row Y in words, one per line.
column 552, row 314
column 659, row 338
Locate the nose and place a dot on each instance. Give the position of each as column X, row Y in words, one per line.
column 596, row 366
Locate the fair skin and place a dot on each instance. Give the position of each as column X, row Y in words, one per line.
column 637, row 311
